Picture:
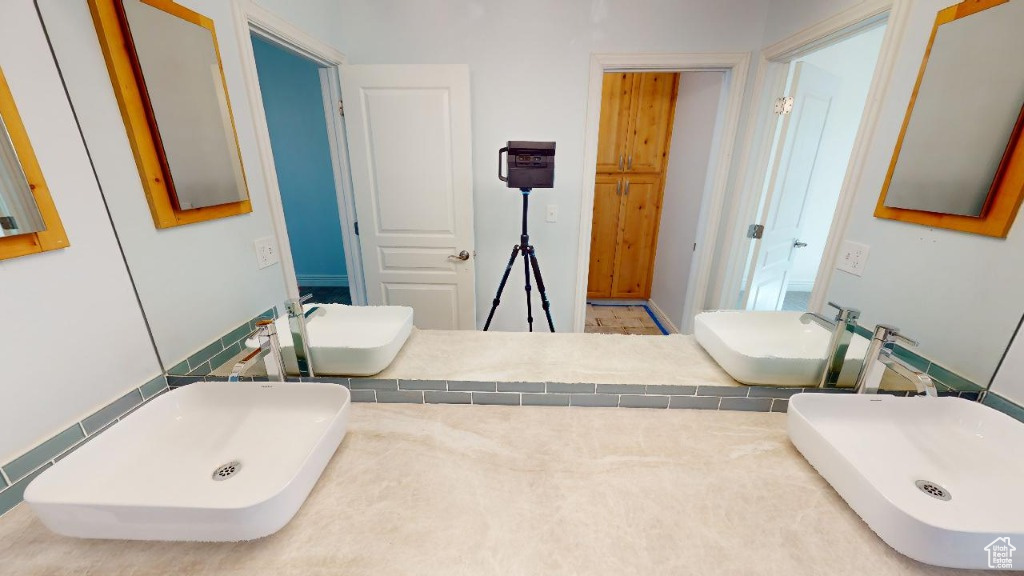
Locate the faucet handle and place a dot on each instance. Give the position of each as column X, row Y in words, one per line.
column 889, row 333
column 844, row 313
column 294, row 305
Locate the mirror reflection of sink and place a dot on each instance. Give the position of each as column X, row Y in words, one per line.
column 347, row 340
column 936, row 478
column 772, row 348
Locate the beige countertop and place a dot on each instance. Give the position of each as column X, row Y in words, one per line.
column 561, row 357
column 482, row 490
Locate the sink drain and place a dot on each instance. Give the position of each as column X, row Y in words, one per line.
column 934, row 490
column 227, row 471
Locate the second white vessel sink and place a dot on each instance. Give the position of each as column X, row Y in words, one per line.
column 772, row 348
column 938, row 479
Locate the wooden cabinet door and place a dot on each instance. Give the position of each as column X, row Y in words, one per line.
column 638, row 228
column 604, row 234
column 616, row 99
column 654, row 103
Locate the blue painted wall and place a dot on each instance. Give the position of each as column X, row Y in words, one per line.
column 298, row 136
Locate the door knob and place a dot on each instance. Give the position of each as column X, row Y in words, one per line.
column 464, row 255
column 799, row 244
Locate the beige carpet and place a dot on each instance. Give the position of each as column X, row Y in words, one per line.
column 560, row 357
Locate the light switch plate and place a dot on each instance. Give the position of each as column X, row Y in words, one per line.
column 266, row 252
column 552, row 215
column 853, row 256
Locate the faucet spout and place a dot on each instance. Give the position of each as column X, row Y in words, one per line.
column 809, row 317
column 879, row 356
column 842, row 329
column 266, row 334
column 923, row 382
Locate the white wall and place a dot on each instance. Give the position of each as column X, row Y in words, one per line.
column 529, row 79
column 853, row 62
column 73, row 338
column 1009, row 381
column 959, row 294
column 787, row 17
column 199, row 281
column 698, row 109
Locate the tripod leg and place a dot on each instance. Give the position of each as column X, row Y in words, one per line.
column 501, row 286
column 540, row 286
column 529, row 299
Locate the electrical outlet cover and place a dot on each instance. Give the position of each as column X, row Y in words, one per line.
column 266, row 252
column 853, row 256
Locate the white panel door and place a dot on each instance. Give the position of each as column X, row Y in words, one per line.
column 799, row 140
column 409, row 145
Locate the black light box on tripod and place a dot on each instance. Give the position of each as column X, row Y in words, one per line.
column 529, row 164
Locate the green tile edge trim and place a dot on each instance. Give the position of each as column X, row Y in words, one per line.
column 16, row 474
column 943, row 375
column 1005, row 406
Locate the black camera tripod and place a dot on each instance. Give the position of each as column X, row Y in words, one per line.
column 529, row 262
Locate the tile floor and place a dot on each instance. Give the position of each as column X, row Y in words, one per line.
column 796, row 301
column 328, row 294
column 605, row 319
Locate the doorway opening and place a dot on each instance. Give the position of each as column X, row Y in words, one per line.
column 816, row 123
column 655, row 142
column 645, row 248
column 294, row 104
column 319, row 107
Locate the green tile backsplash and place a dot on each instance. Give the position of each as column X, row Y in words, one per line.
column 20, row 471
column 216, row 353
column 20, row 467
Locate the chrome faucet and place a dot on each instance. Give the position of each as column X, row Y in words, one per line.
column 300, row 339
column 842, row 329
column 879, row 356
column 266, row 334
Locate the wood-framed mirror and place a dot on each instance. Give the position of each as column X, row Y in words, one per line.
column 29, row 222
column 959, row 159
column 166, row 71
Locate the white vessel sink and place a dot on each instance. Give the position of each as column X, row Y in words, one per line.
column 348, row 340
column 894, row 459
column 213, row 461
column 772, row 348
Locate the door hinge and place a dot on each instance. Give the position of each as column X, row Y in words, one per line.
column 755, row 231
column 341, row 108
column 783, row 105
column 356, row 226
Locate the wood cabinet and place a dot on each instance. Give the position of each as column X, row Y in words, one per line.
column 637, row 111
column 624, row 237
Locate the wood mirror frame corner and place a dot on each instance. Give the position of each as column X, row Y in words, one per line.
column 123, row 70
column 1007, row 193
column 53, row 237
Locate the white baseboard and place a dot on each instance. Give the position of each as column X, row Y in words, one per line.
column 322, row 279
column 800, row 285
column 662, row 317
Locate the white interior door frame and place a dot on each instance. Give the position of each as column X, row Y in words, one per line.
column 735, row 65
column 252, row 18
column 770, row 81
